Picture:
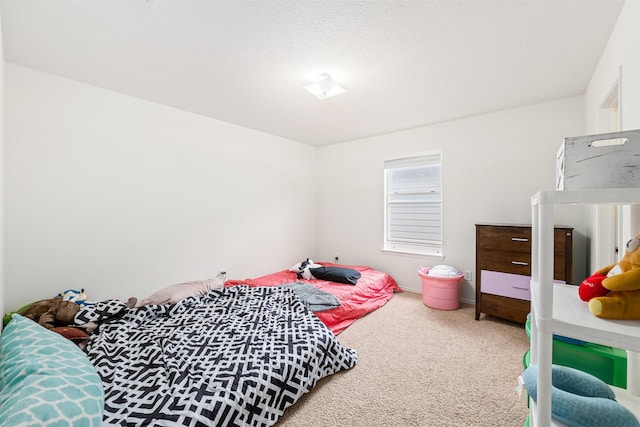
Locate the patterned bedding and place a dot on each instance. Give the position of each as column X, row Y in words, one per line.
column 373, row 290
column 236, row 357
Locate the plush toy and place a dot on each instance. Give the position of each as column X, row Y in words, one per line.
column 79, row 297
column 591, row 287
column 613, row 292
column 302, row 269
column 622, row 305
column 52, row 312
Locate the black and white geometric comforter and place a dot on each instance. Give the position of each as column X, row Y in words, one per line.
column 238, row 356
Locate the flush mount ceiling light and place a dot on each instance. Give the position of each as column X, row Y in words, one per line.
column 324, row 87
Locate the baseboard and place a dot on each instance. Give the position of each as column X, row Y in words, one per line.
column 419, row 291
column 410, row 289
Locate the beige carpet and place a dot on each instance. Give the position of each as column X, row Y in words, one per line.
column 421, row 367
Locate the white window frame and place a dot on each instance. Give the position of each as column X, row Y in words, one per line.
column 419, row 233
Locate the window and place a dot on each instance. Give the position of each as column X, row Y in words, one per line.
column 413, row 204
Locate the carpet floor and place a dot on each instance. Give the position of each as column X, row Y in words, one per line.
column 418, row 366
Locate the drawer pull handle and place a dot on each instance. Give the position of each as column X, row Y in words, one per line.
column 519, row 263
column 525, row 287
column 519, row 239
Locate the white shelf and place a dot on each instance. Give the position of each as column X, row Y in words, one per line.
column 557, row 308
column 572, row 318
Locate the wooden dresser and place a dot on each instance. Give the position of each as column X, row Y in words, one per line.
column 503, row 268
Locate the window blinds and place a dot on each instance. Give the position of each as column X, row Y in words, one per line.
column 414, row 204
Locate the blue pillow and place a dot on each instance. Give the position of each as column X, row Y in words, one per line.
column 579, row 399
column 45, row 379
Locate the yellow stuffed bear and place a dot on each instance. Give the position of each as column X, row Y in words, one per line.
column 622, row 280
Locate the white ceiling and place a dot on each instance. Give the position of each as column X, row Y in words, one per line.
column 404, row 63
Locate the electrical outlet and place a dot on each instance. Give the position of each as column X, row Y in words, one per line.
column 467, row 275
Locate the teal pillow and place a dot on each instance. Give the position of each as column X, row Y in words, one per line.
column 45, row 379
column 579, row 399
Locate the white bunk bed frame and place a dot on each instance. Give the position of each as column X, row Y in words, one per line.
column 556, row 308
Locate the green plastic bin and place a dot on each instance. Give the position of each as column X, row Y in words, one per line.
column 607, row 363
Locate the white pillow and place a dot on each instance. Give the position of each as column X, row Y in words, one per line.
column 174, row 293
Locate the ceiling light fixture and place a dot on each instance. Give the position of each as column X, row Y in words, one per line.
column 324, row 87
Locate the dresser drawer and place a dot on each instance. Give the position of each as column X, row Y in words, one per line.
column 506, row 284
column 508, row 262
column 509, row 239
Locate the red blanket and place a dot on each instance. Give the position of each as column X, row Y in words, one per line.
column 372, row 291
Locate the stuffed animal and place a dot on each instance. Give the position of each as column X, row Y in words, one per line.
column 622, row 305
column 79, row 297
column 592, row 287
column 302, row 269
column 613, row 292
column 51, row 312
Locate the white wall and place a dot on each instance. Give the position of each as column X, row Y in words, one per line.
column 621, row 57
column 620, row 61
column 121, row 196
column 492, row 165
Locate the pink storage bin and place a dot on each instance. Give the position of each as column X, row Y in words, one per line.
column 442, row 293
